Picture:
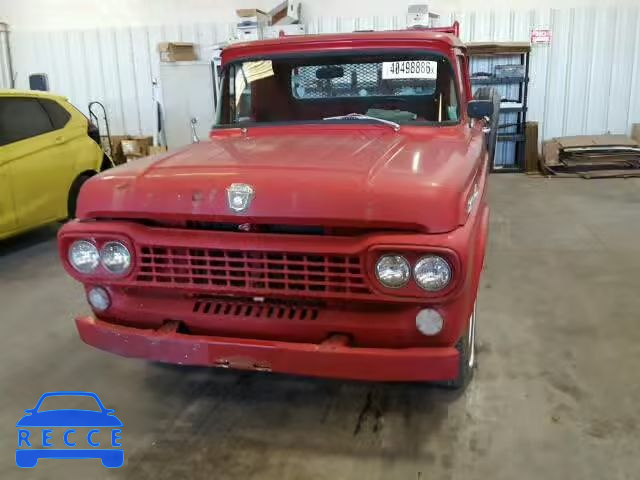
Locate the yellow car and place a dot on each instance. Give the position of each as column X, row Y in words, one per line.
column 48, row 149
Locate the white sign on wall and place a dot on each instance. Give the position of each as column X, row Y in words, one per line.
column 541, row 36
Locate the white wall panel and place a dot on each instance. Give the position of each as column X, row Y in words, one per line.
column 634, row 101
column 600, row 69
column 623, row 53
column 586, row 81
column 93, row 67
column 576, row 83
column 142, row 60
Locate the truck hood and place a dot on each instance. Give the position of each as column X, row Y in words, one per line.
column 364, row 176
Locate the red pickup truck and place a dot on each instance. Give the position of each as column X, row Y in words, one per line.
column 334, row 224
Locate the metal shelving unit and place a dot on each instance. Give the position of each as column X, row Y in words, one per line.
column 513, row 114
column 499, row 80
column 508, row 109
column 511, row 137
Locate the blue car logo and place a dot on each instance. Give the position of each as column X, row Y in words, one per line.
column 40, row 428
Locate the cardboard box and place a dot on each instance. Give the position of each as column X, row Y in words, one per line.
column 127, row 147
column 286, row 13
column 418, row 15
column 251, row 23
column 249, row 34
column 156, row 150
column 136, row 146
column 276, row 31
column 116, row 149
column 251, row 17
column 551, row 148
column 177, row 52
column 140, row 147
column 131, row 148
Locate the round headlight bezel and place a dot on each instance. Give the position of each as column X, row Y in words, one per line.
column 93, row 266
column 405, row 263
column 109, row 269
column 443, row 263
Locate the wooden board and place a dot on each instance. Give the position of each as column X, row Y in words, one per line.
column 497, row 48
column 531, row 157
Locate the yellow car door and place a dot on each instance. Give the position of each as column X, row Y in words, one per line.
column 7, row 212
column 35, row 156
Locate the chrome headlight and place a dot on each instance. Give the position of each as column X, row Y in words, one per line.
column 432, row 273
column 84, row 256
column 393, row 271
column 115, row 258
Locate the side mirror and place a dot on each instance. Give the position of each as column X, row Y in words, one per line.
column 29, row 410
column 480, row 108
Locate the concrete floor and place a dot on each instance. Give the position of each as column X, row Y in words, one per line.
column 555, row 397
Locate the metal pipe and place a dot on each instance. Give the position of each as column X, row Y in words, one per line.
column 4, row 32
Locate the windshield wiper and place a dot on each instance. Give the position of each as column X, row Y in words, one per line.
column 360, row 116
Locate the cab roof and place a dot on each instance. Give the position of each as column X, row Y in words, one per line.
column 11, row 92
column 355, row 40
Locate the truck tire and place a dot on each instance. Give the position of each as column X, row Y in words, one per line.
column 74, row 191
column 466, row 347
column 488, row 93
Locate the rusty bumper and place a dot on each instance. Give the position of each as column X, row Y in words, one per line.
column 333, row 358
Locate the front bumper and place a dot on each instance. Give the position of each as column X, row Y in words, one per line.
column 333, row 358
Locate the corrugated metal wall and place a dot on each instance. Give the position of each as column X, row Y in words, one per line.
column 114, row 66
column 586, row 81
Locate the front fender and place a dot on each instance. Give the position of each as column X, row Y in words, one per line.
column 480, row 248
column 462, row 307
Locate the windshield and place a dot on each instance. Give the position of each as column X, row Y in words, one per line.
column 402, row 88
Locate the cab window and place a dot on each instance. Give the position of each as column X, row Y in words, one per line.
column 22, row 118
column 59, row 116
column 403, row 87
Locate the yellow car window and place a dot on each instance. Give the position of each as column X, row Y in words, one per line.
column 22, row 118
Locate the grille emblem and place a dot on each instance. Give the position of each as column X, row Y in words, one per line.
column 239, row 196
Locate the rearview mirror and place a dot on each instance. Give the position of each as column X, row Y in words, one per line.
column 327, row 73
column 480, row 108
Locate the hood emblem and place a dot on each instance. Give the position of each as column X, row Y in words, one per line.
column 239, row 196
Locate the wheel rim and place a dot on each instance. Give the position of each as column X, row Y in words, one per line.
column 472, row 338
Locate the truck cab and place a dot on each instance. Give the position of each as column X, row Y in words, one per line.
column 334, row 224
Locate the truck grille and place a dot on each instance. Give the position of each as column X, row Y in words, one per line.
column 251, row 309
column 256, row 272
